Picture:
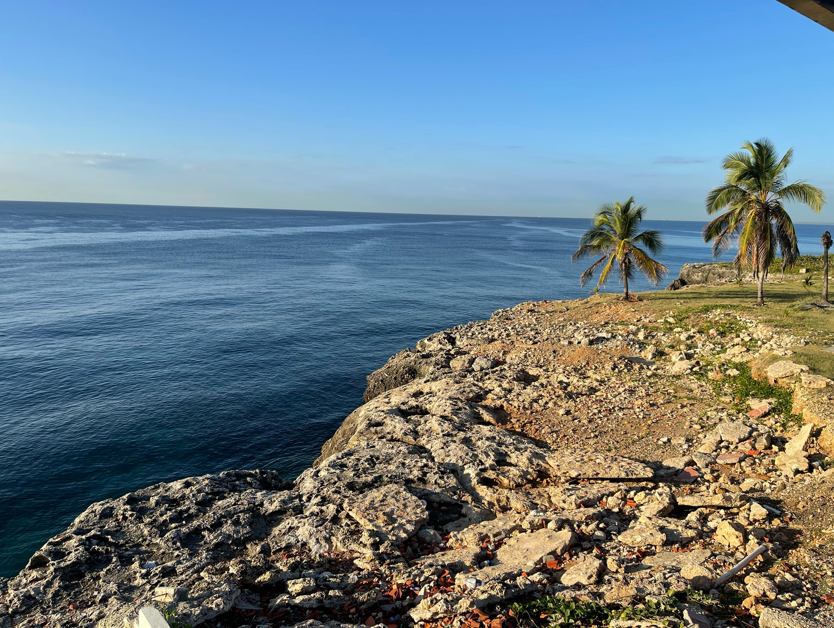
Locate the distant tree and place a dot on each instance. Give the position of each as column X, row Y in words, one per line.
column 753, row 193
column 825, row 240
column 615, row 235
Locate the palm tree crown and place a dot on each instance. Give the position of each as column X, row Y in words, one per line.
column 752, row 200
column 615, row 235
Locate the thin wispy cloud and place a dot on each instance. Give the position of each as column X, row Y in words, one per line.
column 108, row 161
column 678, row 160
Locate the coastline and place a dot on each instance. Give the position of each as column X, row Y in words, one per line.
column 455, row 468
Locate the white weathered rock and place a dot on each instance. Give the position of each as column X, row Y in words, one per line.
column 734, row 431
column 149, row 617
column 585, row 572
column 731, row 534
column 678, row 560
column 699, row 577
column 763, row 588
column 774, row 618
column 757, row 512
column 641, row 535
column 780, row 372
column 799, row 443
column 390, row 511
column 530, row 548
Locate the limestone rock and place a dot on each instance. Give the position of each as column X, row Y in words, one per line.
column 731, row 534
column 758, row 512
column 455, row 560
column 784, row 370
column 707, row 274
column 461, row 363
column 643, row 535
column 815, row 381
column 301, row 585
column 585, row 572
column 678, row 560
column 482, row 364
column 682, row 366
column 708, row 500
column 763, row 588
column 774, row 618
column 799, row 442
column 699, row 577
column 530, row 548
column 595, row 465
column 695, row 619
column 390, row 511
column 734, row 431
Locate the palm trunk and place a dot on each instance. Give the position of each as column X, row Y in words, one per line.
column 760, row 297
column 626, row 289
column 825, row 275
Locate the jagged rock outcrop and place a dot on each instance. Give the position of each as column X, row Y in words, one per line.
column 692, row 274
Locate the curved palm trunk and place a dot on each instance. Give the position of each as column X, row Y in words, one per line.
column 825, row 274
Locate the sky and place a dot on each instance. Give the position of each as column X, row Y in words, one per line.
column 496, row 108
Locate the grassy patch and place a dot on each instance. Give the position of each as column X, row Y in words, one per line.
column 744, row 386
column 725, row 327
column 811, row 262
column 783, row 310
column 553, row 610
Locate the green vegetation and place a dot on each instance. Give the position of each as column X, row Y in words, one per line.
column 753, row 192
column 814, row 263
column 788, row 308
column 170, row 616
column 552, row 611
column 559, row 612
column 615, row 236
column 744, row 386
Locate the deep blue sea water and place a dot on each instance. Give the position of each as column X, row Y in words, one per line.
column 143, row 344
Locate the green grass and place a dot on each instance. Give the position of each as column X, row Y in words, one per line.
column 783, row 310
column 553, row 610
column 811, row 262
column 744, row 386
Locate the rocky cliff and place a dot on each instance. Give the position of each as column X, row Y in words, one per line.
column 573, row 449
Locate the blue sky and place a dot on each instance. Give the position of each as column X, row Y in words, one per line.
column 513, row 108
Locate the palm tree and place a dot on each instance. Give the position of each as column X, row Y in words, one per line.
column 614, row 235
column 753, row 193
column 825, row 240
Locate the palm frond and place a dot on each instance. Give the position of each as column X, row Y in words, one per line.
column 651, row 239
column 589, row 274
column 725, row 196
column 652, row 269
column 805, row 193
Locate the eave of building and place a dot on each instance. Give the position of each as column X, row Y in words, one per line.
column 821, row 11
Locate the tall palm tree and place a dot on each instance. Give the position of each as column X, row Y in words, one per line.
column 753, row 193
column 614, row 235
column 825, row 240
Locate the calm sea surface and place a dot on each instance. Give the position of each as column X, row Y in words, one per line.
column 142, row 344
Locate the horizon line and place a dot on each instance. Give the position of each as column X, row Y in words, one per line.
column 343, row 211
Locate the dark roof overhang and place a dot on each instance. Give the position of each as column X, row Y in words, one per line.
column 821, row 11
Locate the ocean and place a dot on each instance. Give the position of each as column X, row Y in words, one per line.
column 144, row 344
